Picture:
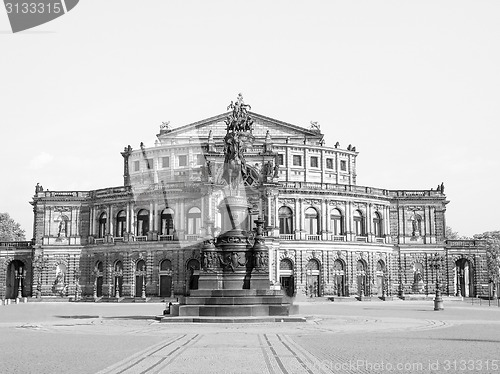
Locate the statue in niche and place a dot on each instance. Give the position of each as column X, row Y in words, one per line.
column 416, row 222
column 62, row 227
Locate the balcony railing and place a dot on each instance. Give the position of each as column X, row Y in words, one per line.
column 19, row 244
column 338, row 238
column 287, row 237
column 167, row 238
column 118, row 239
column 141, row 238
column 313, row 237
column 192, row 237
column 99, row 241
column 363, row 239
column 379, row 240
column 465, row 242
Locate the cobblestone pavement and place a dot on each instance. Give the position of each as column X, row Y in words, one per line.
column 361, row 337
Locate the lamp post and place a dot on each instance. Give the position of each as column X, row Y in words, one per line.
column 437, row 262
column 96, row 275
column 117, row 284
column 143, row 293
column 20, row 276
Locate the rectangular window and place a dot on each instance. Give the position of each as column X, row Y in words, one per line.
column 343, row 165
column 297, row 160
column 183, row 160
column 165, row 162
column 329, row 163
column 314, row 162
column 137, row 167
column 281, row 160
column 200, row 159
column 149, row 163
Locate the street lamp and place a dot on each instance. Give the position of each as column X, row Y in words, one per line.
column 437, row 263
column 20, row 276
column 143, row 294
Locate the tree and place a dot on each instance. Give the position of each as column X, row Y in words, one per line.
column 10, row 230
column 453, row 235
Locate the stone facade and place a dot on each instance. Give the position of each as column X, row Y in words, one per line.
column 326, row 235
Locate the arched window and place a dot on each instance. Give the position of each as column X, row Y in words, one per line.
column 166, row 265
column 167, row 222
column 99, row 266
column 381, row 266
column 361, row 266
column 377, row 225
column 118, row 266
column 311, row 221
column 337, row 222
column 338, row 266
column 193, row 221
column 359, row 223
column 142, row 222
column 102, row 224
column 121, row 223
column 286, row 264
column 140, row 265
column 285, row 216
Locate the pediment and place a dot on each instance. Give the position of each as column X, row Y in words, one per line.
column 201, row 129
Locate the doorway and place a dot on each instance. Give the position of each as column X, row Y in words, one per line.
column 15, row 280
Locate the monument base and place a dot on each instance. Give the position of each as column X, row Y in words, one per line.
column 234, row 303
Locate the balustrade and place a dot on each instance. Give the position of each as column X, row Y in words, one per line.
column 167, row 238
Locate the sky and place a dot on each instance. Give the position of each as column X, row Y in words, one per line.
column 414, row 85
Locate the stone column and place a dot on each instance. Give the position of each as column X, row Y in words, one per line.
column 387, row 224
column 269, row 209
column 402, row 225
column 111, row 220
column 432, row 230
column 301, row 219
column 323, row 224
column 127, row 222
column 369, row 224
column 132, row 218
column 296, row 224
column 350, row 223
column 276, row 208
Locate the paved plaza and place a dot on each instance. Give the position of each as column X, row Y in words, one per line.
column 351, row 337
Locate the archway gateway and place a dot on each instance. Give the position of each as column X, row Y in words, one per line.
column 165, row 278
column 287, row 277
column 339, row 278
column 14, row 285
column 464, row 276
column 140, row 278
column 313, row 273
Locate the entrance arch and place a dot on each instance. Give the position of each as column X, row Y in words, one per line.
column 193, row 274
column 313, row 272
column 339, row 277
column 99, row 278
column 140, row 277
column 16, row 272
column 166, row 278
column 464, row 278
column 380, row 277
column 118, row 278
column 362, row 278
column 286, row 277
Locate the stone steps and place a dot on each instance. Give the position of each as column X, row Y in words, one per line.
column 230, row 319
column 228, row 300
